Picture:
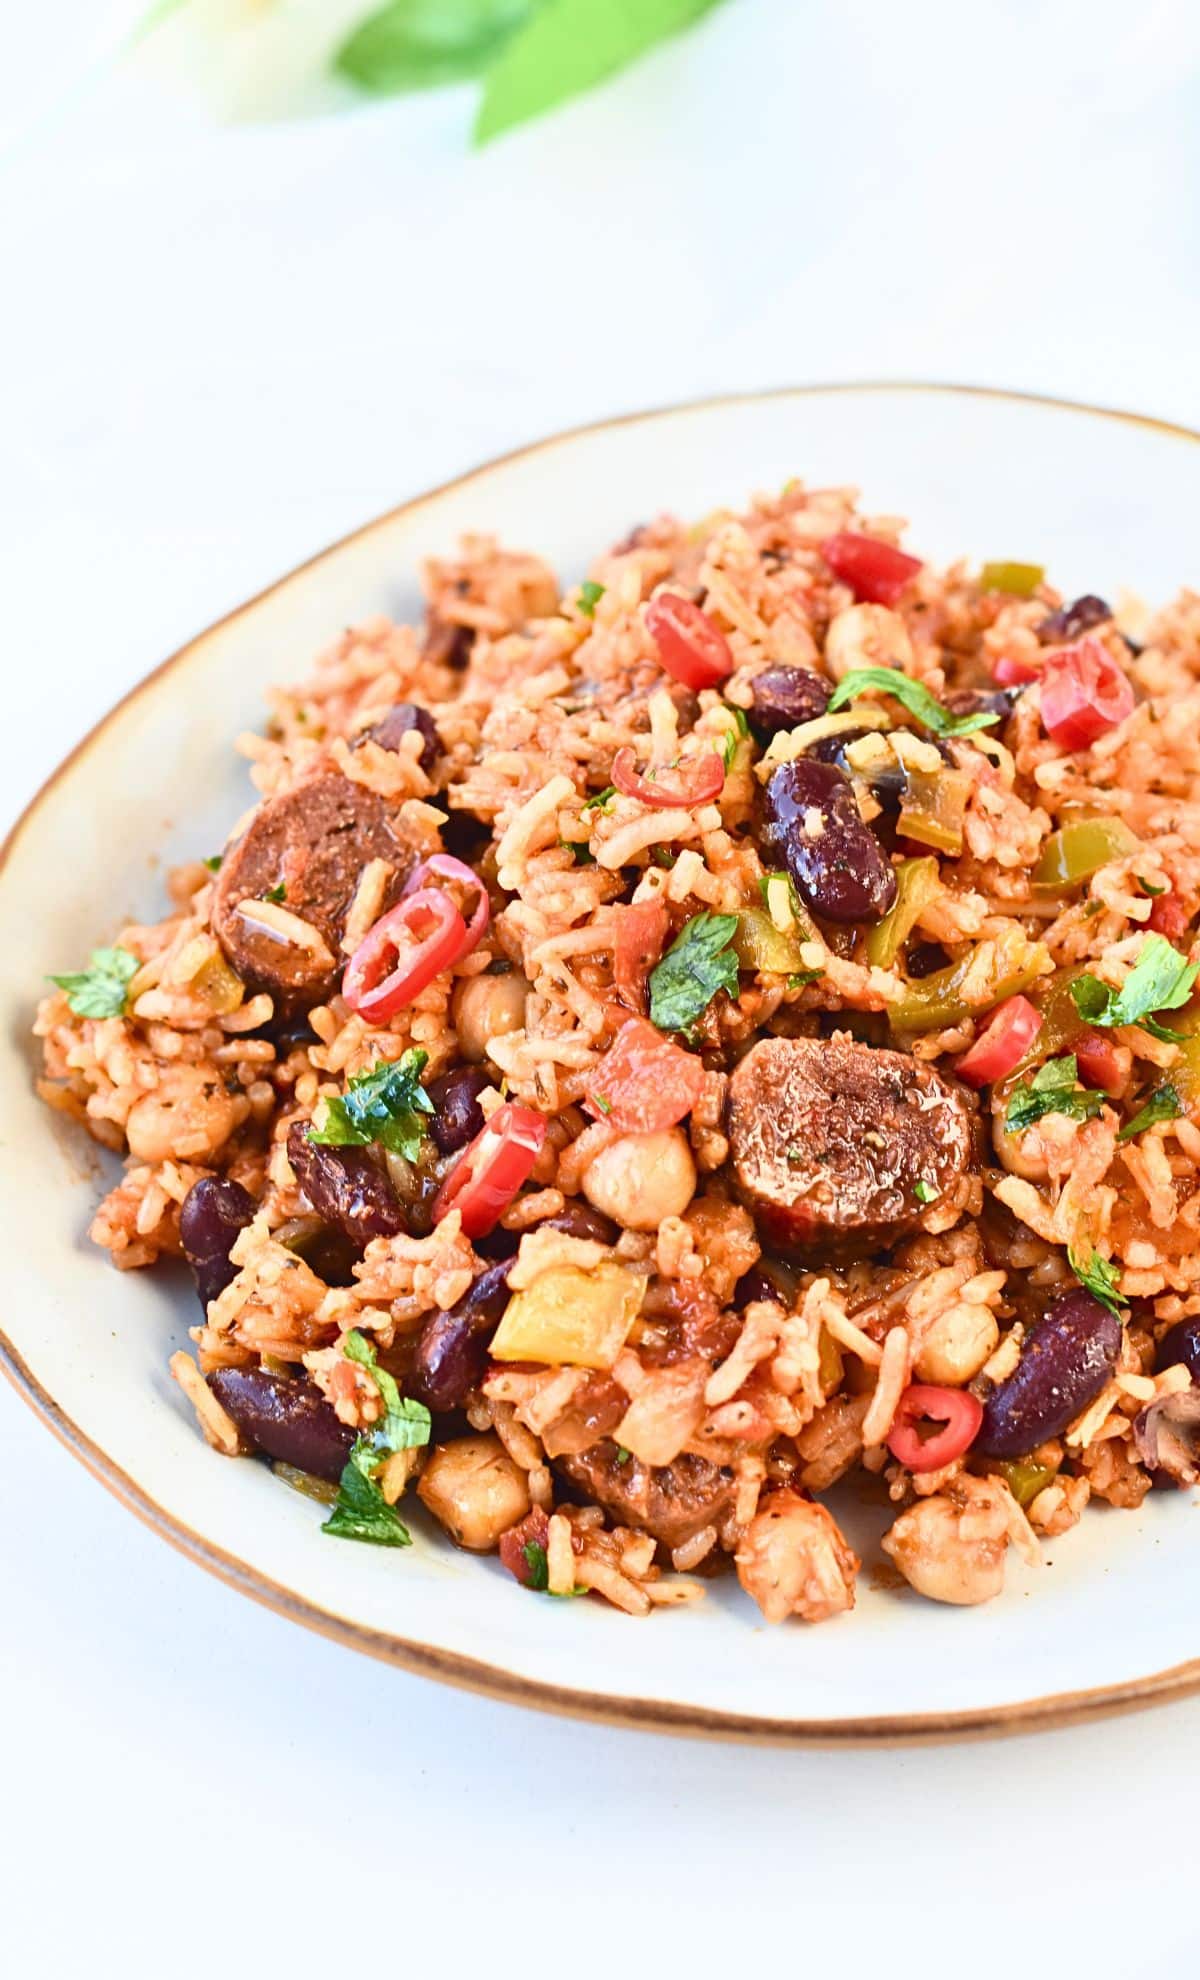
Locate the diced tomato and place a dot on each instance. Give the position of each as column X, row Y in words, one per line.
column 957, row 1410
column 1169, row 917
column 491, row 1169
column 641, row 932
column 532, row 1531
column 644, row 1082
column 1013, row 670
column 875, row 571
column 1002, row 1043
column 1098, row 1060
column 697, row 780
column 690, row 646
column 407, row 947
column 1084, row 694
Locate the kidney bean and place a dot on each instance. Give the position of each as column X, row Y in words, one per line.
column 984, row 701
column 214, row 1211
column 580, row 1220
column 1070, row 621
column 784, row 697
column 345, row 1188
column 400, row 721
column 886, row 779
column 756, row 1284
column 1064, row 1364
column 289, row 1420
column 835, row 860
column 458, row 1117
column 1181, row 1343
column 452, row 1347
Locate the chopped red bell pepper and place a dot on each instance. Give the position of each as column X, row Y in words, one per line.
column 641, row 930
column 1169, row 916
column 1098, row 1062
column 1084, row 694
column 644, row 1082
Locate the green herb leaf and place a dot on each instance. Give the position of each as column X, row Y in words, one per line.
column 535, row 1561
column 739, row 718
column 99, row 991
column 1149, row 888
column 1097, row 1276
column 1160, row 980
column 600, row 801
column 729, row 747
column 569, row 46
column 698, row 964
column 590, row 594
column 923, row 1191
column 623, row 1456
column 915, row 697
column 383, row 1106
column 277, row 893
column 663, row 856
column 580, row 850
column 1054, row 1089
column 418, row 44
column 362, row 1512
column 604, row 1105
column 1164, row 1104
column 214, row 862
column 801, row 978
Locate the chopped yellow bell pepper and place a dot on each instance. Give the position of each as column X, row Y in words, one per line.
column 1018, row 580
column 1080, row 849
column 916, row 884
column 932, row 811
column 219, row 986
column 571, row 1318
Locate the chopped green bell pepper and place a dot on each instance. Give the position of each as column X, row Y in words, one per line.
column 1080, row 849
column 1019, row 580
column 916, row 884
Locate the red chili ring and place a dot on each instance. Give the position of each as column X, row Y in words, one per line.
column 446, row 867
column 701, row 779
column 385, row 974
column 491, row 1169
column 957, row 1409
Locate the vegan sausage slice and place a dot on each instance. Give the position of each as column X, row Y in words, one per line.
column 313, row 841
column 840, row 1148
column 673, row 1501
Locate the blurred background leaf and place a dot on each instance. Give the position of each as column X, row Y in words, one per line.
column 569, row 46
column 417, row 44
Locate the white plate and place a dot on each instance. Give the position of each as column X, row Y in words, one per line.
column 1112, row 1619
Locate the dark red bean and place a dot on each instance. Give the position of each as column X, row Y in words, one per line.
column 345, row 1188
column 579, row 1220
column 289, row 1420
column 1064, row 1364
column 756, row 1284
column 1070, row 621
column 983, row 701
column 887, row 780
column 784, row 697
column 401, row 721
column 457, row 1116
column 1181, row 1343
column 214, row 1212
column 452, row 1347
column 836, row 862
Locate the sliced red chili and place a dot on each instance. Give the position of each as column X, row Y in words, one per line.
column 957, row 1410
column 696, row 780
column 491, row 1169
column 1002, row 1044
column 690, row 646
column 445, row 867
column 1084, row 694
column 397, row 958
column 641, row 930
column 1169, row 917
column 875, row 571
column 1098, row 1062
column 644, row 1082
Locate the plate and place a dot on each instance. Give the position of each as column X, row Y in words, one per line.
column 1111, row 1620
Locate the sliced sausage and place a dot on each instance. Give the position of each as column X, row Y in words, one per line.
column 839, row 1147
column 671, row 1501
column 313, row 841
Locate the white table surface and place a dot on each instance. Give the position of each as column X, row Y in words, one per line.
column 221, row 349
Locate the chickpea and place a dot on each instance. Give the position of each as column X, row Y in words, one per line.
column 188, row 1118
column 794, row 1561
column 475, row 1490
column 951, row 1552
column 487, row 1007
column 642, row 1179
column 958, row 1343
column 866, row 636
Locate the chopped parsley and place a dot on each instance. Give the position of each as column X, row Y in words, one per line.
column 729, row 748
column 214, row 862
column 1054, row 1089
column 801, row 978
column 662, row 856
column 604, row 1105
column 923, row 1191
column 915, row 697
column 740, row 722
column 383, row 1106
column 1160, row 980
column 101, row 990
column 623, row 1456
column 1148, row 887
column 362, row 1512
column 582, row 852
column 1164, row 1104
column 590, row 594
column 1097, row 1276
column 698, row 964
column 277, row 893
column 601, row 799
column 539, row 1573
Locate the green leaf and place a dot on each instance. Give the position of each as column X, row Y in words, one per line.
column 362, row 1512
column 1097, row 1276
column 418, row 44
column 1054, row 1089
column 535, row 1561
column 697, row 965
column 407, row 1424
column 567, row 47
column 915, row 696
column 739, row 718
column 580, row 851
column 599, row 802
column 1164, row 1104
column 923, row 1191
column 214, row 862
column 99, row 991
column 381, row 1107
column 1148, row 887
column 1160, row 980
column 590, row 594
column 277, row 893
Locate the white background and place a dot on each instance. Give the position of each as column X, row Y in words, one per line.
column 222, row 348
